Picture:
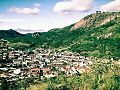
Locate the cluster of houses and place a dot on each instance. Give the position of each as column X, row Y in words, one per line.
column 40, row 63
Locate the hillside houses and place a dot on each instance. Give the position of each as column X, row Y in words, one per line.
column 42, row 62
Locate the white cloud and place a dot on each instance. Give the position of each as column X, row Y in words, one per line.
column 24, row 31
column 111, row 6
column 7, row 20
column 34, row 24
column 1, row 15
column 28, row 11
column 37, row 5
column 68, row 6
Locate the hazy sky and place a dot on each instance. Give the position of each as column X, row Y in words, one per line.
column 43, row 15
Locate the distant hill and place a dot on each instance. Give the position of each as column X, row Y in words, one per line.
column 5, row 34
column 99, row 36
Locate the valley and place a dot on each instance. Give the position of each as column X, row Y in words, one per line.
column 82, row 56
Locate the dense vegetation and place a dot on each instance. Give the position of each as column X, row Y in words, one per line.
column 102, row 41
column 6, row 34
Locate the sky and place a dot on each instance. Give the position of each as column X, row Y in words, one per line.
column 28, row 16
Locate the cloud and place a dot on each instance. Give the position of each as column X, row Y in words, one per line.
column 111, row 6
column 68, row 6
column 28, row 11
column 7, row 20
column 37, row 5
column 1, row 15
column 29, row 30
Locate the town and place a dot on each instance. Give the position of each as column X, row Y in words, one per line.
column 45, row 63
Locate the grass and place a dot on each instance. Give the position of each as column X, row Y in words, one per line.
column 41, row 86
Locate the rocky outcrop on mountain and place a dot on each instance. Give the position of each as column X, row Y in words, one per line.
column 97, row 19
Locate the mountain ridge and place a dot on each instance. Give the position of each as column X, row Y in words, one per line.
column 96, row 19
column 100, row 41
column 5, row 34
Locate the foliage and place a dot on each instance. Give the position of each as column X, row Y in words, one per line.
column 103, row 76
column 6, row 34
column 101, row 42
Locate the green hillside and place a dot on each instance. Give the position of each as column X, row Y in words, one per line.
column 5, row 34
column 99, row 40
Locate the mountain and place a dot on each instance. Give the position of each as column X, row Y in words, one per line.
column 96, row 35
column 9, row 34
column 96, row 19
